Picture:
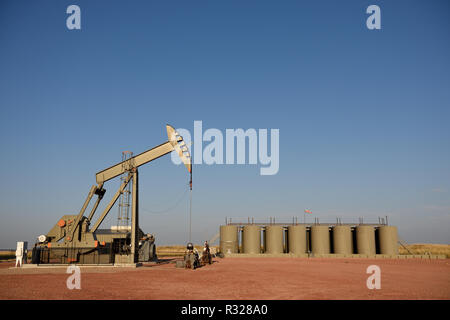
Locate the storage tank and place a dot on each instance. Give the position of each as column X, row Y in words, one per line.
column 297, row 239
column 274, row 239
column 251, row 239
column 229, row 239
column 342, row 240
column 388, row 237
column 365, row 239
column 320, row 239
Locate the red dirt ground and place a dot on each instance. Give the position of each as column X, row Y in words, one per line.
column 238, row 279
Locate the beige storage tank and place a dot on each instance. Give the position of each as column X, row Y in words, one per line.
column 274, row 239
column 251, row 239
column 229, row 239
column 365, row 240
column 388, row 237
column 342, row 240
column 297, row 239
column 320, row 239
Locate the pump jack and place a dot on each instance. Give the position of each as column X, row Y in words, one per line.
column 72, row 239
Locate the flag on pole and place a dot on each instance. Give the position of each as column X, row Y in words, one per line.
column 308, row 211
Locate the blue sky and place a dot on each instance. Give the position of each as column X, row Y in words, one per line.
column 363, row 114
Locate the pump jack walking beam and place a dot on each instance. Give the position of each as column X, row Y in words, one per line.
column 134, row 162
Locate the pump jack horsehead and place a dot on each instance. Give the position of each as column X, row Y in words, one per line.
column 74, row 232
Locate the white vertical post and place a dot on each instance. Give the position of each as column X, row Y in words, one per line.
column 21, row 252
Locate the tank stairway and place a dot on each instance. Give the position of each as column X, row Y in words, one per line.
column 214, row 238
column 404, row 244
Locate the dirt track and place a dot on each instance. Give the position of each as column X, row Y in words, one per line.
column 238, row 278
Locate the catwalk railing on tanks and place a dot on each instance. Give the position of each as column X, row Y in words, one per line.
column 382, row 221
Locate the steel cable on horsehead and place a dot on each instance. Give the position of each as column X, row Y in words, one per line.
column 176, row 204
column 190, row 205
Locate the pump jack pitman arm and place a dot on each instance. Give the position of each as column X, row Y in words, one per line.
column 112, row 202
column 175, row 142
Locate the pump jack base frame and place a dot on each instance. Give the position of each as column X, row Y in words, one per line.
column 110, row 265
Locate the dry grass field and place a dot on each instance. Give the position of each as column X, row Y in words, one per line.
column 11, row 255
column 426, row 248
column 178, row 250
column 6, row 255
